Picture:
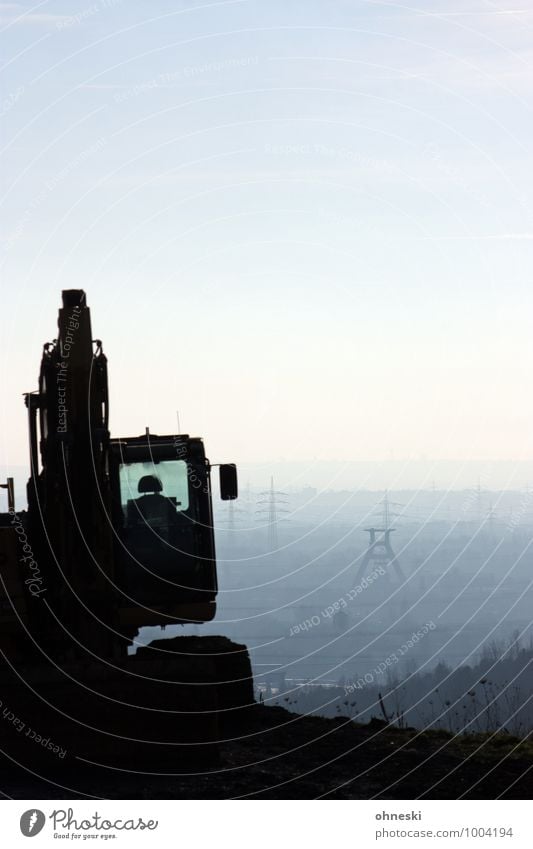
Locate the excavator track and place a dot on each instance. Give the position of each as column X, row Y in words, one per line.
column 160, row 710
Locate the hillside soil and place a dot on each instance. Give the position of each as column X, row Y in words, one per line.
column 281, row 755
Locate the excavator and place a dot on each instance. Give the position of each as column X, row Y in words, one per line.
column 117, row 535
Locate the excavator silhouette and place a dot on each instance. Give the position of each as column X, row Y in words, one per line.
column 118, row 535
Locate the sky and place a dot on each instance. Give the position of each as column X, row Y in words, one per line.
column 306, row 227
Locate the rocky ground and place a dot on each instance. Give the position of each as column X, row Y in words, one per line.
column 280, row 755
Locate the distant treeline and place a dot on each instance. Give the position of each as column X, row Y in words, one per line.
column 494, row 695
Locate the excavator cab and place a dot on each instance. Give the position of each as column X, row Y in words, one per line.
column 163, row 523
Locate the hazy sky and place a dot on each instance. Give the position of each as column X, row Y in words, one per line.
column 306, row 225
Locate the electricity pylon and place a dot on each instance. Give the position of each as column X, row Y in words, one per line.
column 271, row 510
